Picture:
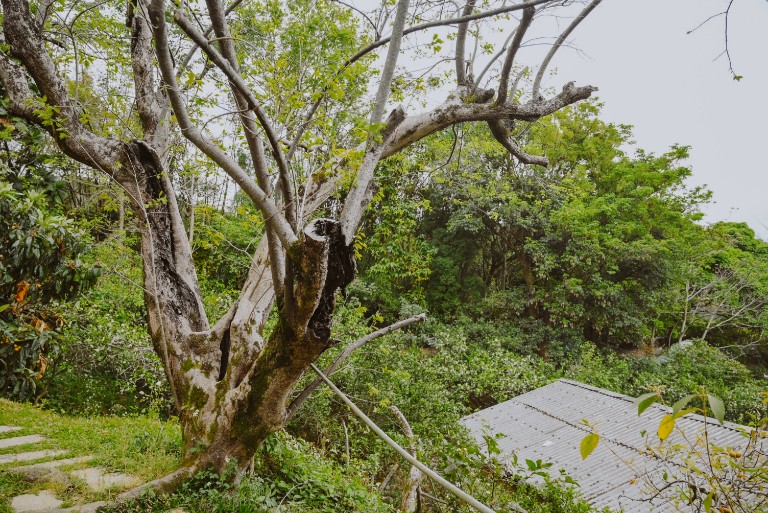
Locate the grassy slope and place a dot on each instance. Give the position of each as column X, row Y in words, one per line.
column 292, row 476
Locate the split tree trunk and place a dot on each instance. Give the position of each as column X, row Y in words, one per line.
column 231, row 382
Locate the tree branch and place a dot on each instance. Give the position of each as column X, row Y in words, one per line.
column 381, row 42
column 415, row 128
column 558, row 43
column 276, row 251
column 64, row 124
column 346, row 353
column 268, row 208
column 242, row 88
column 461, row 40
column 501, row 134
column 440, row 23
column 359, row 195
column 207, row 32
column 525, row 22
column 410, row 494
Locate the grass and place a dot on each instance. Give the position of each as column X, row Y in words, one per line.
column 141, row 446
column 292, row 476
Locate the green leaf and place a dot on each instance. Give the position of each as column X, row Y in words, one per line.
column 682, row 413
column 708, row 502
column 645, row 400
column 588, row 445
column 679, row 405
column 717, row 406
column 666, row 426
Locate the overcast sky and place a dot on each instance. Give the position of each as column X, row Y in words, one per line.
column 654, row 76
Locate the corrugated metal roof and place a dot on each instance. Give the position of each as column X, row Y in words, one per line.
column 547, row 424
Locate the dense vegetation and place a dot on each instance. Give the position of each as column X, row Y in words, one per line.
column 585, row 270
column 596, row 268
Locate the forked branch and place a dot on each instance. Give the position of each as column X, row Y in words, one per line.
column 165, row 62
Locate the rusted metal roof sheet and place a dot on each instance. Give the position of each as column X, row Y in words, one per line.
column 547, row 424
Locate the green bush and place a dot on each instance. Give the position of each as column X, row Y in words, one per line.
column 108, row 365
column 40, row 261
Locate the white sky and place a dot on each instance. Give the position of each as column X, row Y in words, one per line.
column 663, row 82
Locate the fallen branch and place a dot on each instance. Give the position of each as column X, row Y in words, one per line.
column 455, row 490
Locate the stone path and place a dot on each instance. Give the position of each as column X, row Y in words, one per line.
column 97, row 478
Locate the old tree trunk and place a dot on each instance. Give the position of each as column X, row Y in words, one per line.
column 232, row 381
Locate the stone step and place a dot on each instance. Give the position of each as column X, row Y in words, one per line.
column 42, row 501
column 20, row 440
column 100, row 480
column 29, row 456
column 57, row 463
column 7, row 429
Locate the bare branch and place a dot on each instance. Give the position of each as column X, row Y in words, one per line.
column 381, row 42
column 558, row 43
column 457, row 492
column 221, row 28
column 207, row 32
column 461, row 40
column 493, row 59
column 165, row 62
column 440, row 23
column 253, row 103
column 415, row 128
column 346, row 353
column 359, row 195
column 362, row 15
column 525, row 22
column 501, row 134
column 276, row 251
column 410, row 494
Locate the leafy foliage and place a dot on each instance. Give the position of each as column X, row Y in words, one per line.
column 39, row 261
column 107, row 364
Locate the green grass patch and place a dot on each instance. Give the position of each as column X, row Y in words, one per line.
column 140, row 446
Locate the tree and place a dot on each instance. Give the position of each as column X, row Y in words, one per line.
column 724, row 299
column 593, row 247
column 232, row 379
